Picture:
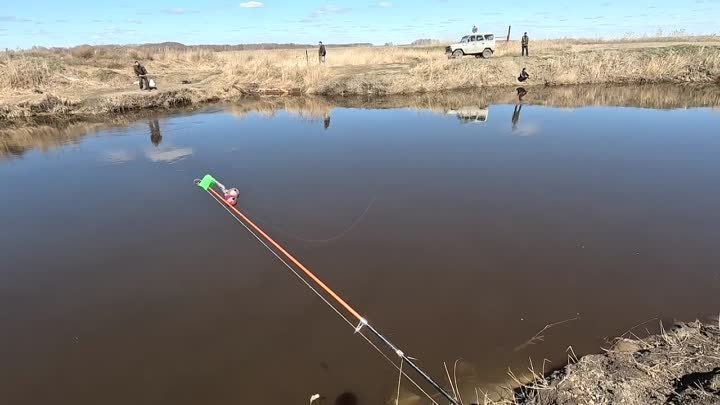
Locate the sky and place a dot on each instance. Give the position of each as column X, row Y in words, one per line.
column 28, row 23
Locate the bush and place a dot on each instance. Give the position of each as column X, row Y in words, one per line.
column 135, row 54
column 83, row 52
column 27, row 72
column 105, row 75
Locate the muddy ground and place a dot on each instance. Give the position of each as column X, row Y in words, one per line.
column 678, row 367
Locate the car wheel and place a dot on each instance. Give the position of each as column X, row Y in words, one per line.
column 457, row 54
column 487, row 53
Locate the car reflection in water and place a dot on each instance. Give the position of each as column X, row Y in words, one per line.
column 470, row 114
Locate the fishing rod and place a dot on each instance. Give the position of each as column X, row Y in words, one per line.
column 228, row 199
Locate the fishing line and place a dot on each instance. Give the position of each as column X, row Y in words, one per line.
column 352, row 226
column 230, row 199
column 325, row 300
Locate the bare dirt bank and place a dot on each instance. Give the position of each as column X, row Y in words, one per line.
column 97, row 81
column 680, row 366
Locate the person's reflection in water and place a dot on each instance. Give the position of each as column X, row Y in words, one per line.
column 521, row 92
column 326, row 120
column 516, row 115
column 347, row 398
column 155, row 135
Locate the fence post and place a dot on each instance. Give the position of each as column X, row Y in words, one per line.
column 508, row 37
column 307, row 58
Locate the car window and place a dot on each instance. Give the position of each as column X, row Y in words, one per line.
column 489, row 37
column 464, row 39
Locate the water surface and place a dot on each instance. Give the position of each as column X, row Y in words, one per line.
column 459, row 229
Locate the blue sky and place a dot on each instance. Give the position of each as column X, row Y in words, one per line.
column 73, row 22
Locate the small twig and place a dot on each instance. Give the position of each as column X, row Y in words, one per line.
column 640, row 324
column 538, row 337
column 397, row 400
column 456, row 383
column 571, row 354
column 449, row 379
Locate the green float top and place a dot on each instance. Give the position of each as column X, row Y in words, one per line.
column 207, row 182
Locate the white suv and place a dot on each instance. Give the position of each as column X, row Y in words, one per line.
column 473, row 44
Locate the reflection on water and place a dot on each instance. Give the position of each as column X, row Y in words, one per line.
column 516, row 115
column 168, row 155
column 118, row 156
column 470, row 114
column 468, row 107
column 155, row 135
column 122, row 278
column 159, row 153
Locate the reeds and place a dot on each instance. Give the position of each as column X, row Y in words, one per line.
column 82, row 72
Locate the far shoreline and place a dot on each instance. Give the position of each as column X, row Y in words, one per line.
column 97, row 81
column 655, row 96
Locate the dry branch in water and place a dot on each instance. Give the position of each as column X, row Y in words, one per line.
column 539, row 337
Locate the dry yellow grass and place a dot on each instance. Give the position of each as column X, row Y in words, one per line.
column 100, row 79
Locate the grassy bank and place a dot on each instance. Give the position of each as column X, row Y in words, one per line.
column 97, row 80
column 680, row 366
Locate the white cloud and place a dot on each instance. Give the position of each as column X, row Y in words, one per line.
column 330, row 10
column 531, row 129
column 10, row 18
column 117, row 156
column 168, row 155
column 323, row 12
column 178, row 11
column 252, row 4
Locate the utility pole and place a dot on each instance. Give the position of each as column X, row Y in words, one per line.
column 508, row 37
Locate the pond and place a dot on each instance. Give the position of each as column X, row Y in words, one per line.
column 459, row 225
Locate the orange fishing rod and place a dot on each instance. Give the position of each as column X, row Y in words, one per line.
column 229, row 199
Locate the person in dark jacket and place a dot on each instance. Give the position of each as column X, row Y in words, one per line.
column 321, row 53
column 523, row 76
column 141, row 73
column 525, row 42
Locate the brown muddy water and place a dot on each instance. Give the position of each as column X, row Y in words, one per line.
column 459, row 229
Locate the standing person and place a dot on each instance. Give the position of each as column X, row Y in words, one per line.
column 321, row 53
column 141, row 73
column 474, row 29
column 525, row 42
